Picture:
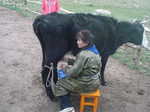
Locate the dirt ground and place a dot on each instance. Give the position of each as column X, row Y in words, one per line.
column 21, row 89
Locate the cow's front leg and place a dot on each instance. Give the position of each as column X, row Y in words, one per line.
column 104, row 60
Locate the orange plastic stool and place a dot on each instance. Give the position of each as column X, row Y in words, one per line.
column 95, row 97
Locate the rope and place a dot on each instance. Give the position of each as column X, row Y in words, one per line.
column 49, row 81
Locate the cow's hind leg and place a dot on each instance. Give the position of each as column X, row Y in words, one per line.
column 49, row 91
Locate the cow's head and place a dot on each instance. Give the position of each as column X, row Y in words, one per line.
column 136, row 35
column 130, row 32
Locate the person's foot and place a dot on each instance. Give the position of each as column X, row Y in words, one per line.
column 69, row 109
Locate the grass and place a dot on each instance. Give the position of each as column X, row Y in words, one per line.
column 13, row 7
column 121, row 9
column 125, row 56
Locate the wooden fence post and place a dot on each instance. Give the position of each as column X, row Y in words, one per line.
column 15, row 3
column 137, row 56
column 25, row 2
column 25, row 5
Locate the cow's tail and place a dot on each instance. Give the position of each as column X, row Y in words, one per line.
column 36, row 25
column 40, row 27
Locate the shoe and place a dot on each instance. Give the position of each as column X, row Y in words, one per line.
column 69, row 109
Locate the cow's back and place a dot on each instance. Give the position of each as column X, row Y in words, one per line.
column 103, row 28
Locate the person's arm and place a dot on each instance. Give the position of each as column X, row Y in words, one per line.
column 43, row 6
column 66, row 11
column 77, row 67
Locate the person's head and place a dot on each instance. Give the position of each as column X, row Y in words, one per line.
column 84, row 38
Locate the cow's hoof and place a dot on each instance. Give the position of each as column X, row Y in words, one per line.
column 104, row 83
column 54, row 99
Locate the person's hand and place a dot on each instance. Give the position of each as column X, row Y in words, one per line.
column 62, row 65
column 61, row 74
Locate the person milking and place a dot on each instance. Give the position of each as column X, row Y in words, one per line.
column 82, row 76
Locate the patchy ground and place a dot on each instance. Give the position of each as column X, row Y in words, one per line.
column 20, row 83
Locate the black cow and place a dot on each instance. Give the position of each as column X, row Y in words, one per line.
column 56, row 33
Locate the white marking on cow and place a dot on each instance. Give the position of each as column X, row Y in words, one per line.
column 145, row 41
